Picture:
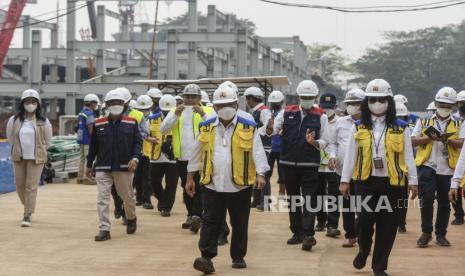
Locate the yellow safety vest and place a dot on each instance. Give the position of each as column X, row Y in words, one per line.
column 243, row 165
column 153, row 151
column 394, row 148
column 177, row 129
column 424, row 151
column 136, row 114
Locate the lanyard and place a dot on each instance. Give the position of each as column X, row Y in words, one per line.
column 439, row 125
column 379, row 140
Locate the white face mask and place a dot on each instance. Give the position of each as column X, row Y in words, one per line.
column 330, row 112
column 116, row 110
column 353, row 110
column 227, row 113
column 30, row 107
column 307, row 104
column 378, row 108
column 444, row 112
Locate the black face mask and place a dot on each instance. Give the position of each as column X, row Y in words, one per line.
column 276, row 106
column 165, row 113
column 462, row 109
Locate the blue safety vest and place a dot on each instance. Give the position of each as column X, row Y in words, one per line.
column 83, row 135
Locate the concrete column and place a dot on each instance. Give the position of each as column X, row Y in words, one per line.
column 36, row 51
column 192, row 15
column 54, row 36
column 26, row 32
column 100, row 67
column 227, row 25
column 277, row 66
column 124, row 37
column 211, row 64
column 25, row 70
column 70, row 38
column 266, row 62
column 144, row 29
column 70, row 103
column 225, row 68
column 192, row 63
column 53, row 109
column 211, row 19
column 171, row 54
column 254, row 58
column 241, row 59
column 53, row 73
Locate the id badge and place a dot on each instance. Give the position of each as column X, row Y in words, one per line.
column 378, row 162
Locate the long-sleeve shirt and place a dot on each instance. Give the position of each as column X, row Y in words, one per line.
column 338, row 140
column 222, row 160
column 325, row 152
column 265, row 115
column 459, row 171
column 378, row 150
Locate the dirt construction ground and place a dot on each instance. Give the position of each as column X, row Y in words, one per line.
column 61, row 243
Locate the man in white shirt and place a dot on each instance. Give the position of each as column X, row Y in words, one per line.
column 230, row 157
column 436, row 157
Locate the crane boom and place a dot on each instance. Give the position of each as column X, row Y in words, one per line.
column 8, row 27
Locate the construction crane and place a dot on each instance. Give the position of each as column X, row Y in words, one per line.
column 8, row 27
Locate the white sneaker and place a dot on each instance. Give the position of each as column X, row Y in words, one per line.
column 26, row 222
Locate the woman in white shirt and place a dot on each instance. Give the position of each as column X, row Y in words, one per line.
column 29, row 134
column 381, row 147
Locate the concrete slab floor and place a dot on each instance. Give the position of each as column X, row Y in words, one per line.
column 61, row 243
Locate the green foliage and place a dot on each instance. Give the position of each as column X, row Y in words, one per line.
column 238, row 23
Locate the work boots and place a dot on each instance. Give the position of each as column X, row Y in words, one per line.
column 131, row 227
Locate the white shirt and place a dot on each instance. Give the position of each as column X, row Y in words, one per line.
column 222, row 168
column 436, row 160
column 339, row 140
column 265, row 116
column 187, row 138
column 324, row 135
column 379, row 133
column 459, row 171
column 325, row 158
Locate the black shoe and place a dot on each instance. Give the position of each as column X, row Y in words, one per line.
column 148, row 206
column 308, row 243
column 260, row 207
column 165, row 213
column 401, row 229
column 424, row 239
column 187, row 224
column 222, row 241
column 253, row 204
column 295, row 239
column 332, row 232
column 195, row 224
column 457, row 222
column 442, row 241
column 103, row 236
column 359, row 262
column 132, row 226
column 118, row 213
column 205, row 265
column 139, row 203
column 380, row 273
column 239, row 264
column 320, row 227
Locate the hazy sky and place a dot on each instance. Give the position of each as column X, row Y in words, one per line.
column 352, row 32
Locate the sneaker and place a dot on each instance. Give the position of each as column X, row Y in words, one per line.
column 103, row 236
column 401, row 229
column 295, row 239
column 424, row 239
column 204, row 265
column 148, row 206
column 380, row 273
column 442, row 241
column 187, row 224
column 132, row 226
column 195, row 224
column 349, row 243
column 332, row 232
column 320, row 227
column 26, row 222
column 308, row 243
column 165, row 213
column 239, row 264
column 359, row 262
column 457, row 222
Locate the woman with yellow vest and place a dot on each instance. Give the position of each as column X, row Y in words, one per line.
column 230, row 157
column 439, row 140
column 381, row 147
column 183, row 122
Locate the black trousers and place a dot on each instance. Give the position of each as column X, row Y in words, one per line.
column 259, row 194
column 403, row 206
column 328, row 185
column 273, row 158
column 117, row 200
column 167, row 195
column 385, row 220
column 141, row 176
column 301, row 181
column 431, row 186
column 458, row 207
column 349, row 221
column 193, row 205
column 215, row 205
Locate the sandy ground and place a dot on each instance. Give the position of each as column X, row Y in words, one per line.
column 61, row 243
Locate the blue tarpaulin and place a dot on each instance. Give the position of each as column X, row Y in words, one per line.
column 7, row 181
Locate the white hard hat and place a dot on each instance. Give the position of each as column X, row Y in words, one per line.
column 127, row 95
column 133, row 103
column 446, row 95
column 114, row 95
column 30, row 93
column 276, row 97
column 461, row 96
column 167, row 102
column 401, row 109
column 229, row 84
column 400, row 98
column 144, row 102
column 431, row 107
column 354, row 95
column 177, row 97
column 154, row 93
column 224, row 95
column 191, row 89
column 307, row 88
column 378, row 88
column 254, row 92
column 91, row 98
column 205, row 97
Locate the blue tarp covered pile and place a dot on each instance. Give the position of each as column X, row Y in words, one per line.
column 7, row 182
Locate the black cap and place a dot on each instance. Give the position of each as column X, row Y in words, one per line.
column 328, row 100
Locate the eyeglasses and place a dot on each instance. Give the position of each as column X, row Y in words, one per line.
column 373, row 100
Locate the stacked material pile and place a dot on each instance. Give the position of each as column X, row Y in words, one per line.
column 63, row 157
